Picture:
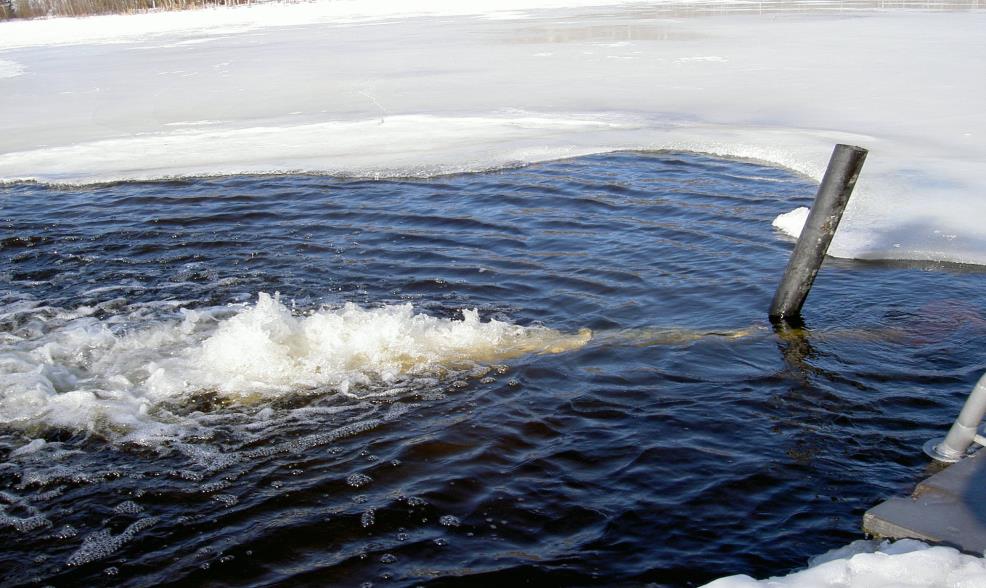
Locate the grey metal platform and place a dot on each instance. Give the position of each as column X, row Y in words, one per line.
column 948, row 508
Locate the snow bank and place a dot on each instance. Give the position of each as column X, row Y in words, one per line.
column 382, row 88
column 866, row 564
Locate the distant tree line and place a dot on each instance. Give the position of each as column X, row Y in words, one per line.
column 41, row 8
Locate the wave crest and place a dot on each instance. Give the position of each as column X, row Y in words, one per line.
column 106, row 375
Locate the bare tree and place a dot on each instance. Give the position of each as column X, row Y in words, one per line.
column 36, row 8
column 6, row 9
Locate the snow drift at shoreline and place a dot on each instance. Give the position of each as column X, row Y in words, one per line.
column 868, row 564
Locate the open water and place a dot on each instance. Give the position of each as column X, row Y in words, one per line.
column 186, row 399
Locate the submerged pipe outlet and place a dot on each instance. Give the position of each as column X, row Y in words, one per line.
column 813, row 243
column 964, row 431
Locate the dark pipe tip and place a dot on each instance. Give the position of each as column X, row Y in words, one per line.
column 823, row 220
column 854, row 148
column 782, row 321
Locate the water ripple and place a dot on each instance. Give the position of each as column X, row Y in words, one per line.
column 685, row 441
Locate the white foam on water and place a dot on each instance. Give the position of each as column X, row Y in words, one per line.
column 26, row 520
column 103, row 543
column 869, row 564
column 32, row 446
column 121, row 376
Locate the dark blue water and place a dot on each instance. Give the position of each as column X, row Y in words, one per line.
column 687, row 441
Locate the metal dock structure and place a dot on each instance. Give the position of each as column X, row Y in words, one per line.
column 949, row 508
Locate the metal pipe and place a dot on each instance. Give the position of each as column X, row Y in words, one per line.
column 964, row 431
column 830, row 201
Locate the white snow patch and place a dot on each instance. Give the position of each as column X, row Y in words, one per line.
column 193, row 123
column 866, row 564
column 243, row 19
column 702, row 58
column 791, row 223
column 394, row 146
column 10, row 69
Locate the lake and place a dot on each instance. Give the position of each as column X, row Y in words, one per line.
column 251, row 380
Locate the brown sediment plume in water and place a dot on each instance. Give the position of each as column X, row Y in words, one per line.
column 538, row 342
column 652, row 336
column 932, row 323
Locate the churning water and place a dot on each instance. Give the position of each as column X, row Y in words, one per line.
column 560, row 374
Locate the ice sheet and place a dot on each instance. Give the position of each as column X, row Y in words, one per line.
column 10, row 69
column 868, row 564
column 386, row 88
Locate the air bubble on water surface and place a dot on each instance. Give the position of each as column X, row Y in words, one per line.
column 358, row 480
column 226, row 499
column 128, row 507
column 101, row 544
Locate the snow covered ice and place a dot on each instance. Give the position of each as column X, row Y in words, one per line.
column 868, row 564
column 383, row 88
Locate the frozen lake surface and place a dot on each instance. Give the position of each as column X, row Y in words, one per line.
column 380, row 88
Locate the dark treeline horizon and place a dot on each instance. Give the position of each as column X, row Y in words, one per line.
column 11, row 9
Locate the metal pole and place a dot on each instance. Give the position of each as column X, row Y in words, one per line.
column 964, row 431
column 826, row 212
